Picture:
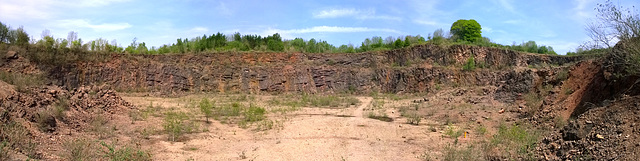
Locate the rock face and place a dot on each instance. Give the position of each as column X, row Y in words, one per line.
column 415, row 69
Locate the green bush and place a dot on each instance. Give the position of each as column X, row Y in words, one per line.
column 516, row 141
column 126, row 153
column 254, row 113
column 413, row 118
column 207, row 108
column 79, row 150
column 469, row 65
column 177, row 124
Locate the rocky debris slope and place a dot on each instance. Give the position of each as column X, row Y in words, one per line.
column 50, row 112
column 609, row 132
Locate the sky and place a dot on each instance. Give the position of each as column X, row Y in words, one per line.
column 556, row 23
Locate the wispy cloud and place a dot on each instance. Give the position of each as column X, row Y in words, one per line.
column 330, row 29
column 223, row 9
column 81, row 23
column 513, row 22
column 354, row 13
column 506, row 4
column 580, row 10
column 27, row 9
column 94, row 3
column 427, row 22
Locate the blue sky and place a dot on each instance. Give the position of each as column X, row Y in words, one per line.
column 557, row 23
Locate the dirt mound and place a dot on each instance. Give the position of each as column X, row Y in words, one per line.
column 50, row 112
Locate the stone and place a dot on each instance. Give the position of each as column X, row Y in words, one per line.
column 11, row 55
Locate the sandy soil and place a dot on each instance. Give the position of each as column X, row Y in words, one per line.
column 311, row 134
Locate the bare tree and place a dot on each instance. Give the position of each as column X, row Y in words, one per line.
column 613, row 23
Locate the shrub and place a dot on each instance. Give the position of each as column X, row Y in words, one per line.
column 176, row 124
column 4, row 150
column 382, row 117
column 254, row 113
column 470, row 64
column 127, row 153
column 79, row 150
column 516, row 141
column 16, row 136
column 413, row 118
column 207, row 108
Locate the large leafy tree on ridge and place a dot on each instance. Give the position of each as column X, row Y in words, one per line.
column 466, row 30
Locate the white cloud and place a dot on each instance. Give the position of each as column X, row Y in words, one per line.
column 487, row 29
column 355, row 13
column 426, row 22
column 223, row 9
column 513, row 22
column 560, row 46
column 331, row 29
column 25, row 9
column 506, row 4
column 580, row 11
column 335, row 13
column 75, row 23
column 199, row 29
column 94, row 3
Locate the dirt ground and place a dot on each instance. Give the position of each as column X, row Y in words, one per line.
column 318, row 133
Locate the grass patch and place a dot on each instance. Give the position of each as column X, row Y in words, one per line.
column 412, row 116
column 176, row 124
column 310, row 100
column 98, row 125
column 16, row 136
column 453, row 132
column 114, row 153
column 206, row 107
column 515, row 141
column 22, row 81
column 382, row 117
column 453, row 153
column 78, row 150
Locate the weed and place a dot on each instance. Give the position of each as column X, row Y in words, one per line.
column 559, row 121
column 469, row 65
column 425, row 156
column 22, row 81
column 568, row 91
column 78, row 150
column 516, row 141
column 16, row 136
column 413, row 118
column 562, row 75
column 98, row 126
column 46, row 120
column 268, row 125
column 481, row 130
column 176, row 124
column 533, row 102
column 452, row 132
column 381, row 117
column 4, row 150
column 60, row 107
column 126, row 153
column 254, row 113
column 207, row 108
column 452, row 153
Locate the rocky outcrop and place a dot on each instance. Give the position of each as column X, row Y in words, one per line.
column 414, row 69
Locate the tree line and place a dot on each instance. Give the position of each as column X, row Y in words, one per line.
column 461, row 32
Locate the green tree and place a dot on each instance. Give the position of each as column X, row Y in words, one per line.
column 4, row 33
column 466, row 30
column 22, row 38
column 207, row 108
